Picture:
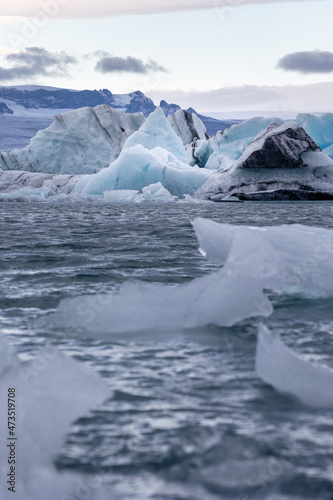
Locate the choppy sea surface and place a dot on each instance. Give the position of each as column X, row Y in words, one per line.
column 187, row 417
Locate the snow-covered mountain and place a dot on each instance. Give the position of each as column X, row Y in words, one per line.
column 48, row 101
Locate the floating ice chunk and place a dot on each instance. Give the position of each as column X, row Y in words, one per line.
column 214, row 299
column 296, row 258
column 154, row 193
column 49, row 397
column 286, row 259
column 138, row 167
column 215, row 240
column 278, row 366
column 122, row 196
column 157, row 132
column 157, row 193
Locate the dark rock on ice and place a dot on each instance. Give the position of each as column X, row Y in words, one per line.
column 282, row 163
column 280, row 146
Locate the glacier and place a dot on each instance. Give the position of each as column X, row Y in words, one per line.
column 278, row 366
column 41, row 398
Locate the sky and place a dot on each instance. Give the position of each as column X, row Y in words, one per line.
column 217, row 56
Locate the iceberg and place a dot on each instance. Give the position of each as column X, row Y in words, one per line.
column 278, row 366
column 155, row 193
column 282, row 163
column 44, row 411
column 226, row 147
column 158, row 132
column 153, row 154
column 286, row 260
column 138, row 167
column 83, row 141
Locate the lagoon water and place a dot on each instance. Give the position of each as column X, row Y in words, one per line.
column 187, row 417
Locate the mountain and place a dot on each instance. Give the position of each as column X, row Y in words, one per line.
column 5, row 110
column 47, row 101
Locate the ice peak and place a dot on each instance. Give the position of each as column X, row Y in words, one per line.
column 158, row 132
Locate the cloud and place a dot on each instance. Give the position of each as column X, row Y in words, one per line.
column 277, row 100
column 88, row 9
column 36, row 61
column 315, row 61
column 112, row 64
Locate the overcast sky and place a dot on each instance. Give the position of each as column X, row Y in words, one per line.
column 216, row 55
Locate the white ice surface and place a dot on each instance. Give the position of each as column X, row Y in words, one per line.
column 157, row 132
column 278, row 366
column 138, row 167
column 82, row 141
column 155, row 193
